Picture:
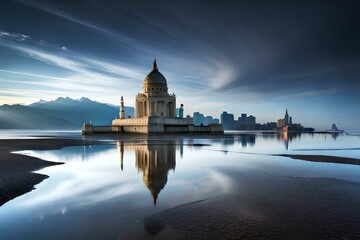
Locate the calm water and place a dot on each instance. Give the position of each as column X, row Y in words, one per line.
column 103, row 190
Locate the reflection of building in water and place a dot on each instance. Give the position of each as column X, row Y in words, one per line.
column 244, row 139
column 155, row 161
column 120, row 147
column 248, row 139
column 334, row 135
column 287, row 137
column 286, row 140
column 228, row 141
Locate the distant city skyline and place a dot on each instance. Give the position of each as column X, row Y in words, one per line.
column 257, row 57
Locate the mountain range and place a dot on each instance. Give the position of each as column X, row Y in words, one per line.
column 60, row 114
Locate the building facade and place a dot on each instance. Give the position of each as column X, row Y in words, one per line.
column 155, row 99
column 227, row 120
column 155, row 112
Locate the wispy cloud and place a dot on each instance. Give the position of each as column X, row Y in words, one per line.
column 14, row 36
column 312, row 93
column 76, row 63
column 117, row 69
column 213, row 68
column 112, row 34
column 53, row 59
column 31, row 74
column 84, row 76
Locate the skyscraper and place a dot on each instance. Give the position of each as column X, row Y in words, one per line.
column 227, row 119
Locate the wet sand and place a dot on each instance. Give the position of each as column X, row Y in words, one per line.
column 322, row 158
column 262, row 207
column 16, row 170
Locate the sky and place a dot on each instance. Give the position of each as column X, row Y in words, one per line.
column 254, row 57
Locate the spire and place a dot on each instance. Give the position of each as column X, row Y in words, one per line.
column 286, row 113
column 154, row 66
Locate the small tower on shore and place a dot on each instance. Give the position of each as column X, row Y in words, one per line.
column 181, row 111
column 122, row 108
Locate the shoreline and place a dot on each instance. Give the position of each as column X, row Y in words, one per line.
column 17, row 175
column 321, row 158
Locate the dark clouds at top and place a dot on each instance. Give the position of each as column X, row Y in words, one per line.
column 269, row 48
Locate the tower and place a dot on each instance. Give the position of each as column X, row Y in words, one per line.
column 122, row 109
column 181, row 111
column 286, row 119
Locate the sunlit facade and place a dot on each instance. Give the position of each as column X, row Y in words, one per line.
column 155, row 100
column 155, row 111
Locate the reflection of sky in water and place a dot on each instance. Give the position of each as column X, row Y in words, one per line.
column 286, row 143
column 103, row 188
column 36, row 134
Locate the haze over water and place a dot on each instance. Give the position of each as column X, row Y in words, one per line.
column 106, row 191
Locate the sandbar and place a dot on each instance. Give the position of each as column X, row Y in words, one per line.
column 17, row 171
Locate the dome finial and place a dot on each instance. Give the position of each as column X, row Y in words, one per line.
column 154, row 66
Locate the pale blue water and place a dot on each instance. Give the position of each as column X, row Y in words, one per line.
column 35, row 134
column 102, row 190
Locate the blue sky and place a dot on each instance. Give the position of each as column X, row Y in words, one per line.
column 254, row 57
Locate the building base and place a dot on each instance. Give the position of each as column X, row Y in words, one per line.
column 155, row 124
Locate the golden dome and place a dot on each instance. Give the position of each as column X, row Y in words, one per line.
column 155, row 78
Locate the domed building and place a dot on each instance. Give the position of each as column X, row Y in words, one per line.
column 155, row 112
column 155, row 100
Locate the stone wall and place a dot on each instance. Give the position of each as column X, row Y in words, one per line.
column 147, row 125
column 130, row 121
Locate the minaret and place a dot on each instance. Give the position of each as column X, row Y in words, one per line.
column 122, row 109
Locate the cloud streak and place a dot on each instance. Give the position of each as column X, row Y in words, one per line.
column 14, row 36
column 85, row 77
column 218, row 74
